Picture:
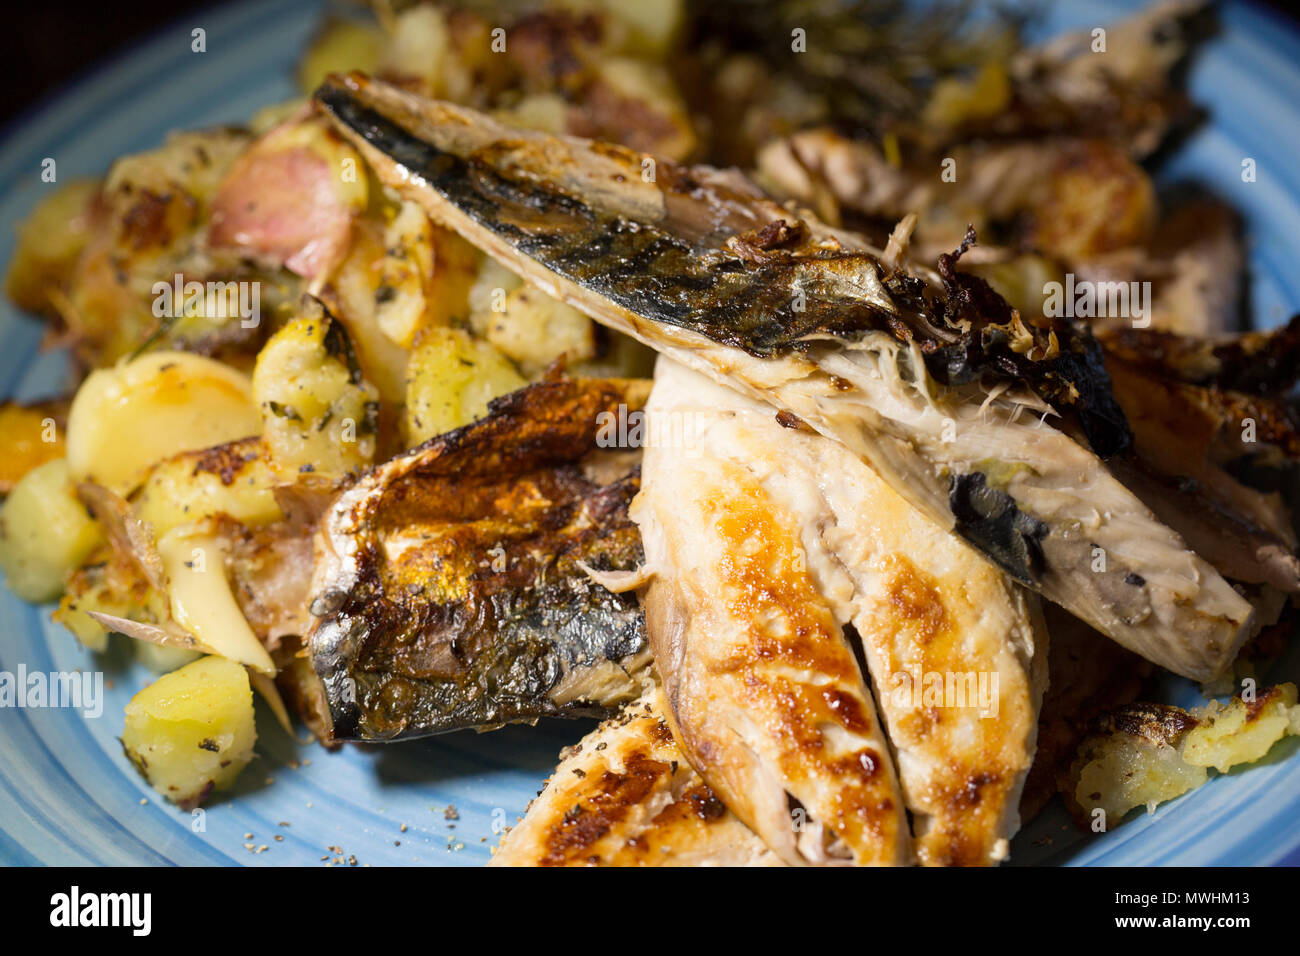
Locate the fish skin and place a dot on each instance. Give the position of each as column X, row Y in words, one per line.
column 707, row 252
column 537, row 202
column 450, row 588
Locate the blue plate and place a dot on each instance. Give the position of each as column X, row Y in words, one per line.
column 67, row 794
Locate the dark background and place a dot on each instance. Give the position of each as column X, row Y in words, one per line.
column 43, row 45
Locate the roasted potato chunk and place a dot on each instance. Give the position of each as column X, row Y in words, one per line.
column 318, row 413
column 45, row 532
column 450, row 380
column 193, row 730
column 532, row 329
column 1146, row 754
column 1134, row 759
column 234, row 479
column 1243, row 731
column 126, row 418
column 50, row 241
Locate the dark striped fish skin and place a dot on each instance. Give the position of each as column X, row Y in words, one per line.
column 993, row 429
column 740, row 274
column 691, row 283
column 449, row 589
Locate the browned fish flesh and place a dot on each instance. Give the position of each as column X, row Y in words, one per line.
column 955, row 650
column 626, row 796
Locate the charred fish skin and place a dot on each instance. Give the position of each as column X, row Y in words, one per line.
column 451, row 588
column 535, row 202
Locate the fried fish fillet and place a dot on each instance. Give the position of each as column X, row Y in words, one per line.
column 625, row 796
column 956, row 650
column 450, row 588
column 763, row 687
column 930, row 378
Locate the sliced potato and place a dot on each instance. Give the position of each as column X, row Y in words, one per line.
column 45, row 532
column 319, row 414
column 193, row 730
column 201, row 598
column 451, row 379
column 126, row 418
column 233, row 479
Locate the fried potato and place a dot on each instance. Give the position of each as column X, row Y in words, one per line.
column 125, row 419
column 318, row 413
column 233, row 479
column 1146, row 754
column 45, row 532
column 1133, row 760
column 450, row 380
column 533, row 330
column 1243, row 731
column 50, row 241
column 193, row 730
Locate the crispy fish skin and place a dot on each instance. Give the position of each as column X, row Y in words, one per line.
column 698, row 265
column 926, row 607
column 449, row 586
column 626, row 796
column 764, row 690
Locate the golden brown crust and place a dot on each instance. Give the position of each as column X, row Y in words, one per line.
column 765, row 694
column 451, row 587
column 626, row 796
column 793, row 535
